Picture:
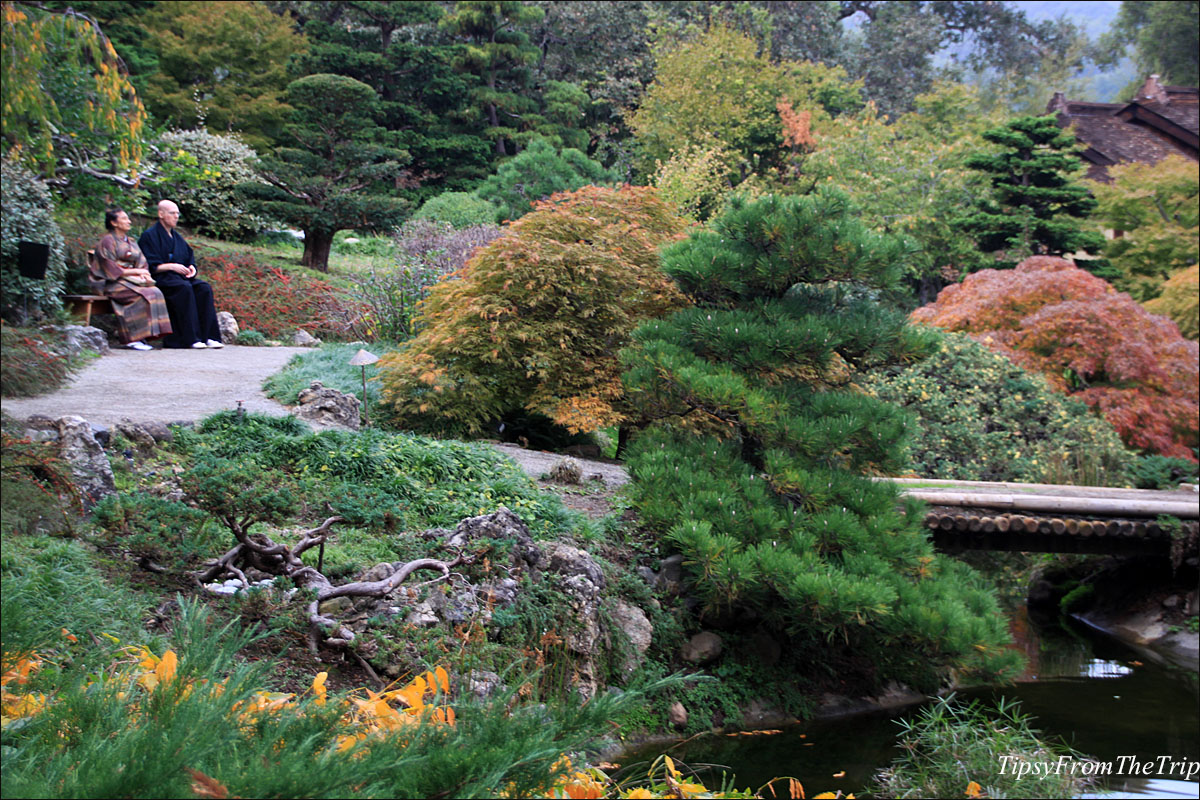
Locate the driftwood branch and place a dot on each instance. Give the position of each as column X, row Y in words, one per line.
column 263, row 553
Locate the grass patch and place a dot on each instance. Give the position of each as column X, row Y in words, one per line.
column 952, row 749
column 52, row 583
column 329, row 364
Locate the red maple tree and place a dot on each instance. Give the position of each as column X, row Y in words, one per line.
column 1090, row 341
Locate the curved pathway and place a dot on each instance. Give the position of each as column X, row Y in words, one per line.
column 163, row 386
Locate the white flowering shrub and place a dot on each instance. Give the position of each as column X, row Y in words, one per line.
column 27, row 215
column 200, row 171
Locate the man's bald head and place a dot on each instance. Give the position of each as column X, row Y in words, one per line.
column 168, row 214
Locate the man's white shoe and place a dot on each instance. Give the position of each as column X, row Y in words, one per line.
column 214, row 344
column 199, row 346
column 139, row 346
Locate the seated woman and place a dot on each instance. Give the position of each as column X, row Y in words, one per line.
column 119, row 271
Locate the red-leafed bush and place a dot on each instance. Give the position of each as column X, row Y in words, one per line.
column 1090, row 341
column 267, row 299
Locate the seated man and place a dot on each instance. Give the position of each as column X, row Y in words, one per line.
column 173, row 267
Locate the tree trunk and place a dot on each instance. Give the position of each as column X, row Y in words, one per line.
column 317, row 244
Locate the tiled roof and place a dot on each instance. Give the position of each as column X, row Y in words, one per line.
column 1162, row 121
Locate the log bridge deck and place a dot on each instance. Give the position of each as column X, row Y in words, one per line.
column 1043, row 518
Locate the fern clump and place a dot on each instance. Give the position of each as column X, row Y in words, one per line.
column 757, row 460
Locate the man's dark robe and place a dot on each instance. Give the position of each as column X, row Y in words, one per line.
column 189, row 300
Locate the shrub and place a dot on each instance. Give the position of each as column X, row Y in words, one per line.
column 350, row 243
column 1180, row 301
column 251, row 339
column 1088, row 341
column 534, row 174
column 32, row 363
column 429, row 252
column 955, row 749
column 756, row 463
column 36, row 484
column 981, row 417
column 276, row 303
column 458, row 209
column 200, row 172
column 443, row 248
column 419, row 482
column 695, row 180
column 536, row 317
column 1160, row 472
column 152, row 529
column 27, row 215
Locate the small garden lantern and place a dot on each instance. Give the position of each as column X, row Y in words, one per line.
column 361, row 359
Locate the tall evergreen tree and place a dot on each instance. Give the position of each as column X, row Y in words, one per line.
column 1037, row 207
column 497, row 51
column 755, row 464
column 335, row 171
column 398, row 50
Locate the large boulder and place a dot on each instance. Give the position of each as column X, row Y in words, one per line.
column 302, row 338
column 90, row 469
column 500, row 524
column 78, row 338
column 229, row 327
column 582, row 581
column 702, row 648
column 635, row 625
column 326, row 406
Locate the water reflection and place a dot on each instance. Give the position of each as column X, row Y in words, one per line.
column 1088, row 691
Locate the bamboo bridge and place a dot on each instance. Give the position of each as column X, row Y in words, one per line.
column 1044, row 518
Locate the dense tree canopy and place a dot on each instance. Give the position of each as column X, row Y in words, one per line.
column 716, row 90
column 909, row 176
column 221, row 65
column 1163, row 36
column 397, row 49
column 1156, row 208
column 498, row 55
column 68, row 106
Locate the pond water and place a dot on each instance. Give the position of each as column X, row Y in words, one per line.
column 1091, row 692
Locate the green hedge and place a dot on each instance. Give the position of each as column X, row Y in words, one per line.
column 981, row 417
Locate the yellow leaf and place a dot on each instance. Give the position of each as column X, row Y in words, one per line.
column 164, row 671
column 318, row 687
column 974, row 790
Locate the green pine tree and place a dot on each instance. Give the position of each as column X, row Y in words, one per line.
column 1037, row 205
column 336, row 172
column 755, row 463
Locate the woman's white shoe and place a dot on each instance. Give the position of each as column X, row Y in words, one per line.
column 139, row 346
column 199, row 346
column 214, row 344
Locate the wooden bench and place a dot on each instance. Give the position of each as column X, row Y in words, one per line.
column 84, row 305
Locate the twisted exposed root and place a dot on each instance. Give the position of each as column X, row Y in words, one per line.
column 263, row 553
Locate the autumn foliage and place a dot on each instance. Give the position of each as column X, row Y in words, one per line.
column 1089, row 341
column 273, row 302
column 535, row 319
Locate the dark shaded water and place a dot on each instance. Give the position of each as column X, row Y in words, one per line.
column 1089, row 691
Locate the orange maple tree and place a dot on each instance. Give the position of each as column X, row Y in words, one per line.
column 1089, row 341
column 535, row 319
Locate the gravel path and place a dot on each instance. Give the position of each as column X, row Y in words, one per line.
column 163, row 386
column 189, row 385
